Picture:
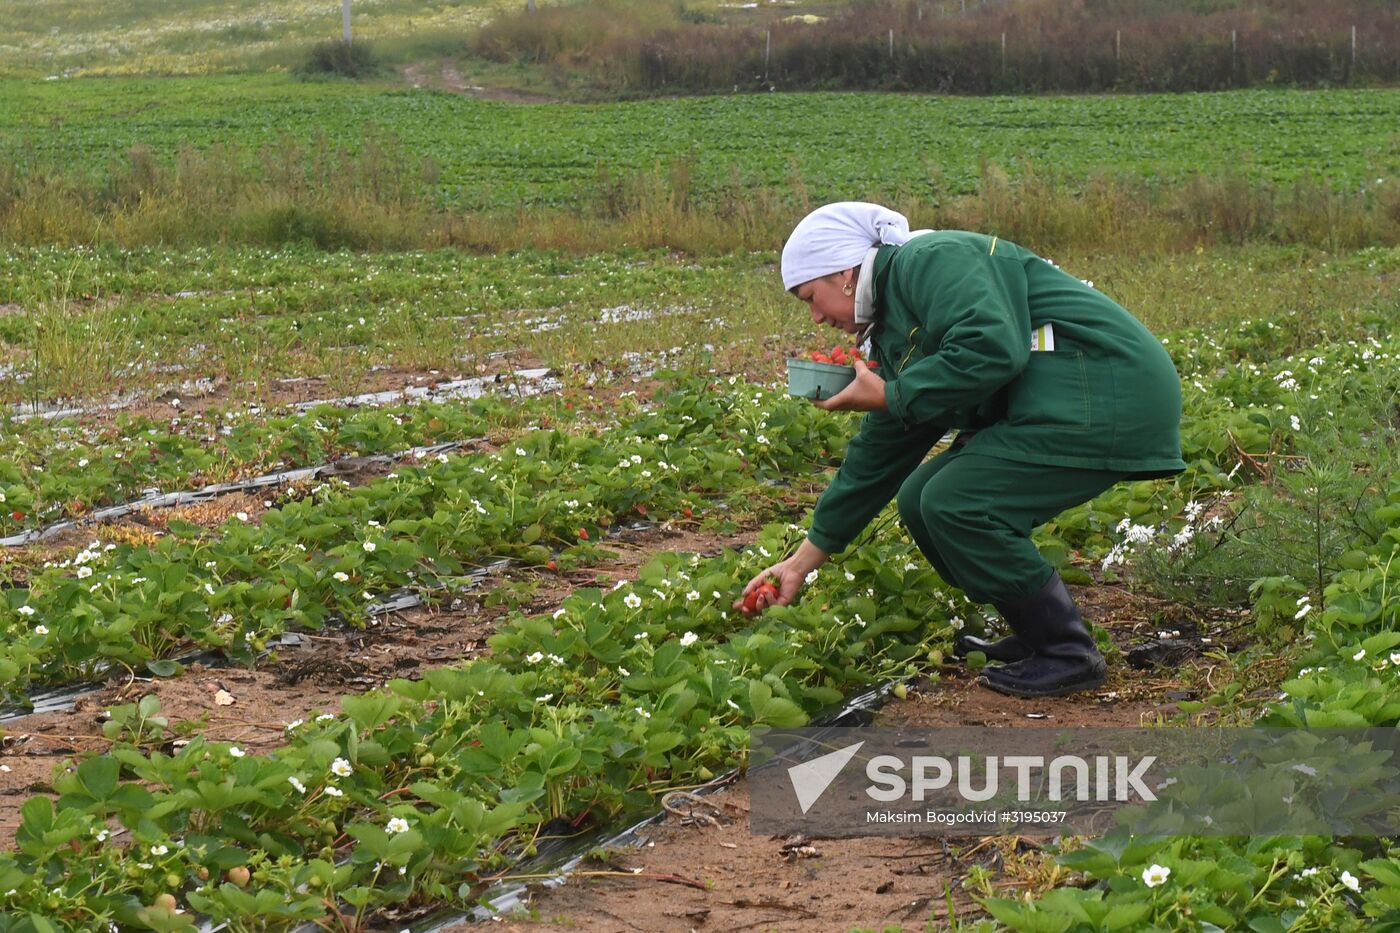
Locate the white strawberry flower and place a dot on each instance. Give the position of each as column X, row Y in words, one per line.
column 397, row 825
column 341, row 768
column 1155, row 875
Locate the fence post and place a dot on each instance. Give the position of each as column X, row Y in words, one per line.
column 767, row 53
column 345, row 20
column 891, row 44
column 1003, row 54
column 1233, row 56
column 1118, row 46
column 1353, row 52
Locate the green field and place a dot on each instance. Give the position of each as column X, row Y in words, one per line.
column 499, row 156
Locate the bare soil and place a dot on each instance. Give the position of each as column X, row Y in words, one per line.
column 445, row 77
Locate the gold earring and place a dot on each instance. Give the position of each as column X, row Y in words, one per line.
column 847, row 289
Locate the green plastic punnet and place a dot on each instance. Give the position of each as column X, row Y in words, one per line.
column 808, row 379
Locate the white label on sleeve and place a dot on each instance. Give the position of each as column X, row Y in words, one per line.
column 1043, row 339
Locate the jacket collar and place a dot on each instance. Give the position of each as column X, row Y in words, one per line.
column 874, row 272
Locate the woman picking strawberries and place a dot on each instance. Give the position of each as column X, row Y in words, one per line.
column 1056, row 392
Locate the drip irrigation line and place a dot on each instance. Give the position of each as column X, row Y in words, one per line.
column 113, row 403
column 156, row 499
column 456, row 388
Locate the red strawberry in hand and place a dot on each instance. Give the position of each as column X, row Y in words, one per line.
column 750, row 604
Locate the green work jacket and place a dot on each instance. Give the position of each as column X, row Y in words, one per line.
column 954, row 315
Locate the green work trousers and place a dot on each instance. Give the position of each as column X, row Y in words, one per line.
column 972, row 516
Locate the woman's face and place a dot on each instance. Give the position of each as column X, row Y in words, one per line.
column 829, row 302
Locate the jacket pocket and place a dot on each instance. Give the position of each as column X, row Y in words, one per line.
column 1052, row 391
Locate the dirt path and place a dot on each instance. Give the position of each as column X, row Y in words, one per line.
column 444, row 76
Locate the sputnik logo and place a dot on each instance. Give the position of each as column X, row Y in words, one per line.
column 811, row 778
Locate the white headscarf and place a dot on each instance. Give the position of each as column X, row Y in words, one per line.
column 837, row 236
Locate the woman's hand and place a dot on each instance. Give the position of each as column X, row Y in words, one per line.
column 789, row 576
column 866, row 393
column 776, row 586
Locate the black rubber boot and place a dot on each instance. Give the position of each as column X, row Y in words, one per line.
column 1006, row 650
column 1065, row 658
